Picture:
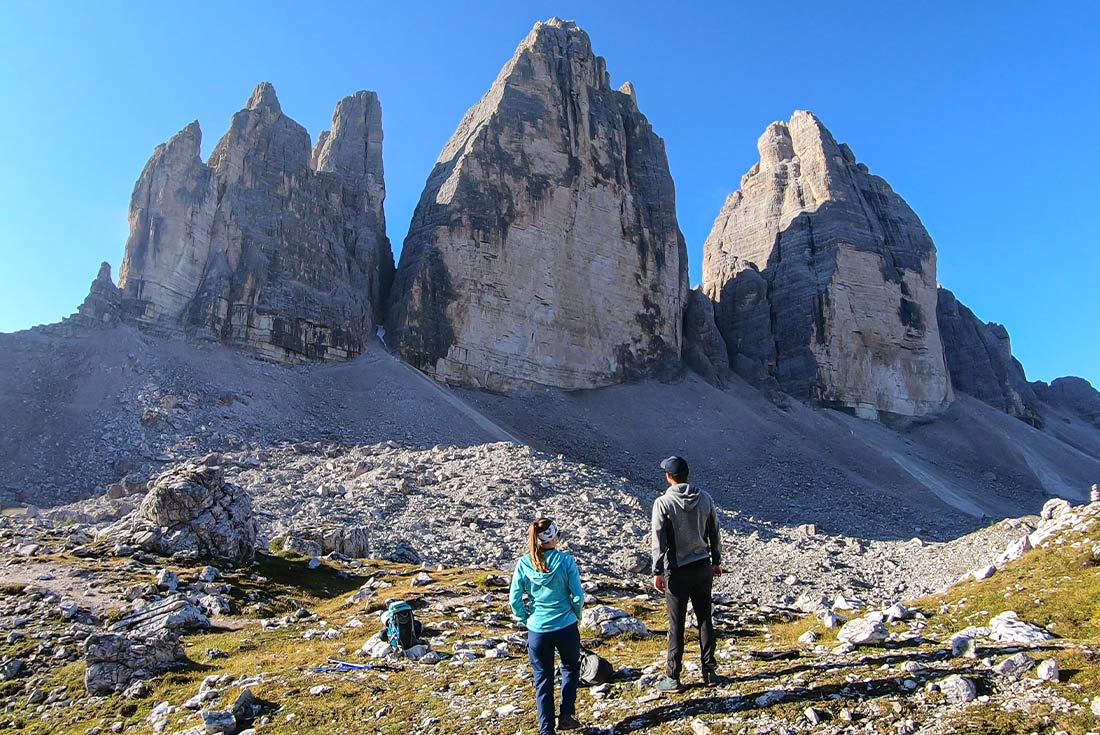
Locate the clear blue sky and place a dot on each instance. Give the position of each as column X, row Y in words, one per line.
column 982, row 115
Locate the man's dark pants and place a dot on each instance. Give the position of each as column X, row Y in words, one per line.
column 540, row 649
column 691, row 582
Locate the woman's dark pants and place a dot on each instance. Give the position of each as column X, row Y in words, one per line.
column 541, row 647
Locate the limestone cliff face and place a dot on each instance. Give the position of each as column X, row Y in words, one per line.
column 825, row 280
column 979, row 356
column 269, row 245
column 545, row 248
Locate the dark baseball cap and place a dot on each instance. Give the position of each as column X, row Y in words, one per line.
column 675, row 465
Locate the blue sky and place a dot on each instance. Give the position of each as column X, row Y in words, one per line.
column 982, row 115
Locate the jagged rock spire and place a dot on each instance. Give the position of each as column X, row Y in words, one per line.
column 824, row 279
column 257, row 248
column 545, row 248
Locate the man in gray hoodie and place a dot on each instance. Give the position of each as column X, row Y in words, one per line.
column 687, row 556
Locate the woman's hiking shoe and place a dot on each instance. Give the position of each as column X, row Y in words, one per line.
column 668, row 684
column 568, row 722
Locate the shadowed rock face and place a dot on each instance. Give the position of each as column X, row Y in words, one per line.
column 1072, row 394
column 268, row 245
column 825, row 280
column 545, row 248
column 704, row 350
column 979, row 356
column 100, row 306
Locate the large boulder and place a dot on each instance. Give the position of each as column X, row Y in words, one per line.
column 824, row 279
column 545, row 248
column 173, row 614
column 114, row 661
column 979, row 357
column 192, row 510
column 269, row 245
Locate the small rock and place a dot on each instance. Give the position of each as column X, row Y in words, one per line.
column 771, row 697
column 422, row 579
column 1008, row 628
column 1047, row 670
column 896, row 612
column 815, row 716
column 963, row 646
column 698, row 727
column 957, row 689
column 1054, row 508
column 1015, row 666
column 983, row 573
column 319, row 690
column 218, row 721
column 861, row 632
column 810, row 636
column 138, row 689
column 167, row 580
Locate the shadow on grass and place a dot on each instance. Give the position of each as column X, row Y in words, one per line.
column 857, row 691
column 727, row 705
column 324, row 582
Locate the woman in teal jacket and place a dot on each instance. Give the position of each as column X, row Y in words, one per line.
column 551, row 583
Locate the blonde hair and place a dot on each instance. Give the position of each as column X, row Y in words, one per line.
column 534, row 546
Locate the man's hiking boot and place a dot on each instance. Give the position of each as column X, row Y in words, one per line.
column 668, row 684
column 568, row 722
column 712, row 678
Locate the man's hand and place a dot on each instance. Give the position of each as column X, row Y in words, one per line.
column 717, row 569
column 659, row 583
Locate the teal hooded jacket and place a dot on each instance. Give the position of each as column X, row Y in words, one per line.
column 554, row 599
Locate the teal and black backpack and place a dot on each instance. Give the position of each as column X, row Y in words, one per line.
column 402, row 628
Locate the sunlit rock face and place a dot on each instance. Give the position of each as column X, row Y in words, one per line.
column 824, row 280
column 269, row 245
column 545, row 249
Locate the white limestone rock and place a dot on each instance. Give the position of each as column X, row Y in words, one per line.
column 862, row 632
column 958, row 689
column 824, row 280
column 545, row 248
column 610, row 621
column 1008, row 628
column 266, row 246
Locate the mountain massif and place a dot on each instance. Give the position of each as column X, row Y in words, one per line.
column 268, row 245
column 545, row 255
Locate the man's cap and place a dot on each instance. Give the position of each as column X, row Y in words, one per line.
column 675, row 466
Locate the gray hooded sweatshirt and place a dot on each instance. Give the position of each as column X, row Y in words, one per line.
column 684, row 529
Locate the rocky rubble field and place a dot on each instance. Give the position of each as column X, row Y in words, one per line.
column 105, row 633
column 465, row 506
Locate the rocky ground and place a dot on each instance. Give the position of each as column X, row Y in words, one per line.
column 86, row 410
column 467, row 506
column 94, row 633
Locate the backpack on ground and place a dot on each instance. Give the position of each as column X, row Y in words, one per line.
column 402, row 628
column 595, row 669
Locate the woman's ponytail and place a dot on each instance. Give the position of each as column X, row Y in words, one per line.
column 534, row 546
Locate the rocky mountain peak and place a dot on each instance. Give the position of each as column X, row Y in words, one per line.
column 824, row 279
column 256, row 247
column 264, row 98
column 545, row 248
